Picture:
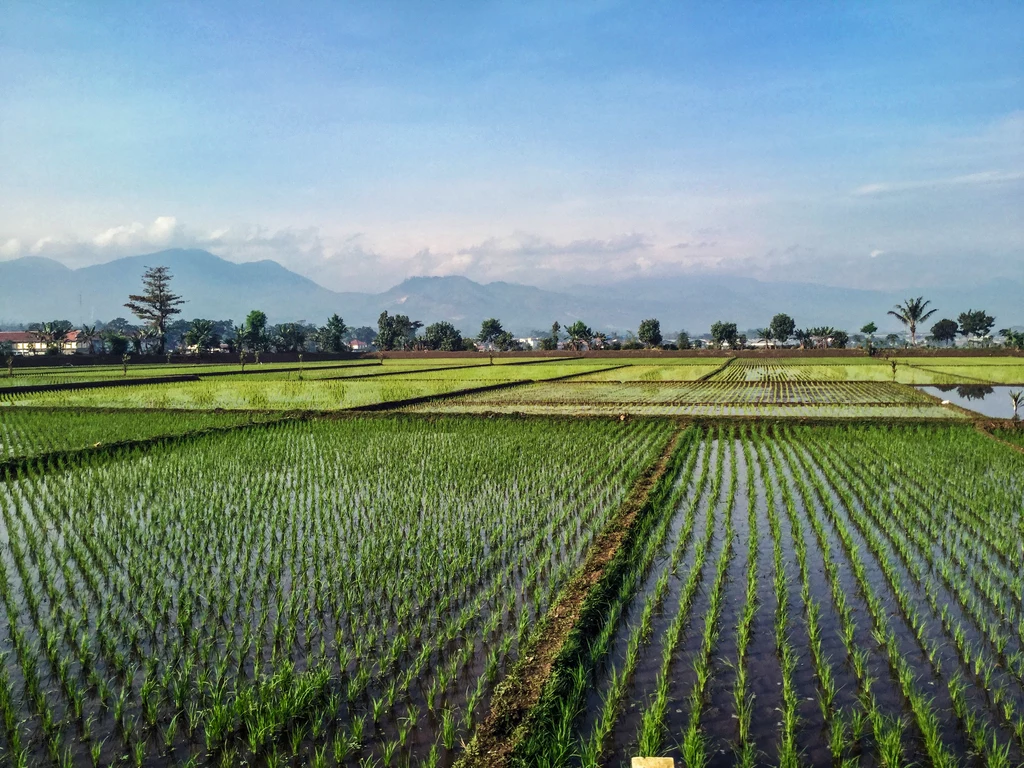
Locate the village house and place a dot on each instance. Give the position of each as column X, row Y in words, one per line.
column 28, row 343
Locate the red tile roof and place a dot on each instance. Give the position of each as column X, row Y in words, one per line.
column 19, row 337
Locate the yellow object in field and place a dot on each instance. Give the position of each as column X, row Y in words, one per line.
column 653, row 762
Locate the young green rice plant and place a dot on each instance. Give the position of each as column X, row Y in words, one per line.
column 275, row 555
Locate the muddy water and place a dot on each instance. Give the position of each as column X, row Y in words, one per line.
column 798, row 467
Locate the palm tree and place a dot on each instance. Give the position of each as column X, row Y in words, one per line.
column 53, row 334
column 89, row 335
column 200, row 335
column 765, row 335
column 579, row 335
column 910, row 313
column 1016, row 398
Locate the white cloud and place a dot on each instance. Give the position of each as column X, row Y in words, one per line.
column 43, row 243
column 876, row 253
column 968, row 180
column 11, row 248
column 137, row 234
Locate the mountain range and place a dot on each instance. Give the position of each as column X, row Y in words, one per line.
column 36, row 289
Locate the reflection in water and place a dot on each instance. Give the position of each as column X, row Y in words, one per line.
column 968, row 391
column 994, row 401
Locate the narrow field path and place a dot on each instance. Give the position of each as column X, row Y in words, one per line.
column 514, row 698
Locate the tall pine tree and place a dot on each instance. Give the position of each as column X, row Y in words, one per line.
column 156, row 303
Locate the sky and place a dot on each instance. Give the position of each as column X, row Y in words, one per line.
column 866, row 144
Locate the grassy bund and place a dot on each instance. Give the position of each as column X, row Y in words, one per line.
column 524, row 562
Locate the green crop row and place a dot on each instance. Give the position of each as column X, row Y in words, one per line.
column 30, row 432
column 881, row 620
column 344, row 592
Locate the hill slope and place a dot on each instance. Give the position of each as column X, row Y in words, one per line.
column 33, row 289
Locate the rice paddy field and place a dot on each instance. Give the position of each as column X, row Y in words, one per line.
column 353, row 588
column 514, row 563
column 781, row 397
column 973, row 370
column 32, row 432
column 809, row 596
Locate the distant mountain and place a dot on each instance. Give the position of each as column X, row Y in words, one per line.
column 34, row 289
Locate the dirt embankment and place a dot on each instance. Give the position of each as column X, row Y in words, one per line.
column 503, row 728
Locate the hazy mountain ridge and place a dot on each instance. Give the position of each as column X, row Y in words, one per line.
column 34, row 289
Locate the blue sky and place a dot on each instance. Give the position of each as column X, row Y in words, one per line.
column 865, row 144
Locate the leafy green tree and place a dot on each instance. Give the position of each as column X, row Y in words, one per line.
column 442, row 336
column 724, row 334
column 782, row 327
column 579, row 334
column 253, row 336
column 825, row 336
column 869, row 330
column 331, row 337
column 117, row 342
column 396, row 331
column 912, row 312
column 201, row 335
column 53, row 334
column 156, row 303
column 489, row 330
column 363, row 333
column 649, row 333
column 291, row 337
column 1012, row 338
column 975, row 323
column 505, row 341
column 552, row 341
column 945, row 331
column 839, row 339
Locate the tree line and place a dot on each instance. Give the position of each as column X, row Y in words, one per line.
column 157, row 305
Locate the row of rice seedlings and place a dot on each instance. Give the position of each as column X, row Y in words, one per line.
column 911, row 550
column 654, row 373
column 578, row 392
column 827, row 687
column 755, row 370
column 787, row 749
column 746, row 753
column 920, row 411
column 889, row 734
column 694, row 741
column 592, row 746
column 552, row 739
column 982, row 737
column 843, row 740
column 981, row 483
column 30, row 432
column 988, row 594
column 184, row 640
column 652, row 728
column 209, row 394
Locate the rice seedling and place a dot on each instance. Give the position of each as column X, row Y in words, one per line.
column 302, row 590
column 895, row 571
